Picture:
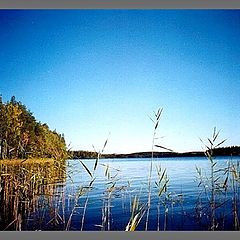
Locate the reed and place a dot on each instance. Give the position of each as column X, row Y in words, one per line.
column 34, row 190
column 235, row 174
column 156, row 123
column 217, row 180
column 22, row 184
column 137, row 212
column 89, row 187
column 112, row 190
column 162, row 188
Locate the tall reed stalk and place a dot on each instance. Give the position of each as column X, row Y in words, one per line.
column 137, row 213
column 92, row 175
column 162, row 188
column 214, row 179
column 111, row 191
column 235, row 170
column 156, row 123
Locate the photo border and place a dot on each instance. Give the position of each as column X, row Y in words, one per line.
column 120, row 235
column 120, row 4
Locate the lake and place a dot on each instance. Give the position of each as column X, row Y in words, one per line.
column 73, row 195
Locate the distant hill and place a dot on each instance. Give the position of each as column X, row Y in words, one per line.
column 223, row 151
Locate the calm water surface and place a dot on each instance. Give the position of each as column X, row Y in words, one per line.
column 61, row 207
column 133, row 174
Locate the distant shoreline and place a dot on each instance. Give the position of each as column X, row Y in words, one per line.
column 218, row 152
column 225, row 151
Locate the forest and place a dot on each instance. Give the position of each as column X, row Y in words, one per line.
column 221, row 151
column 22, row 136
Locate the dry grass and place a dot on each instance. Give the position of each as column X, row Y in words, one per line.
column 27, row 161
column 23, row 184
column 34, row 189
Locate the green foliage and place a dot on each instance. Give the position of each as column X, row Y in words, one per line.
column 21, row 136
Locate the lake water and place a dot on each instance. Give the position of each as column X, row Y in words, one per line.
column 84, row 199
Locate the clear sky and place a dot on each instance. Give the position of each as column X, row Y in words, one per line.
column 88, row 73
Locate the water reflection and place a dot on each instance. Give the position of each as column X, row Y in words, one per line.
column 31, row 192
column 59, row 195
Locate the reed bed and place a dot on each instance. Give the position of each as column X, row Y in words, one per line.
column 24, row 187
column 37, row 195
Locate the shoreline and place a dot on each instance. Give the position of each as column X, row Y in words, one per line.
column 221, row 151
column 26, row 161
column 155, row 155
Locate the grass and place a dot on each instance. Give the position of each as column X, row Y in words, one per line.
column 235, row 179
column 156, row 123
column 137, row 212
column 222, row 181
column 27, row 161
column 34, row 194
column 162, row 188
column 23, row 184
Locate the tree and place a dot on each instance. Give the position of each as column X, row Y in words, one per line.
column 21, row 136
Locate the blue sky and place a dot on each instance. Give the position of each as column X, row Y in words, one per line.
column 88, row 73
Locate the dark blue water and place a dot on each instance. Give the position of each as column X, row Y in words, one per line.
column 184, row 206
column 79, row 197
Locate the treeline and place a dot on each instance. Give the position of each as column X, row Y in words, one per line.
column 22, row 136
column 223, row 151
column 227, row 151
column 93, row 155
column 83, row 154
